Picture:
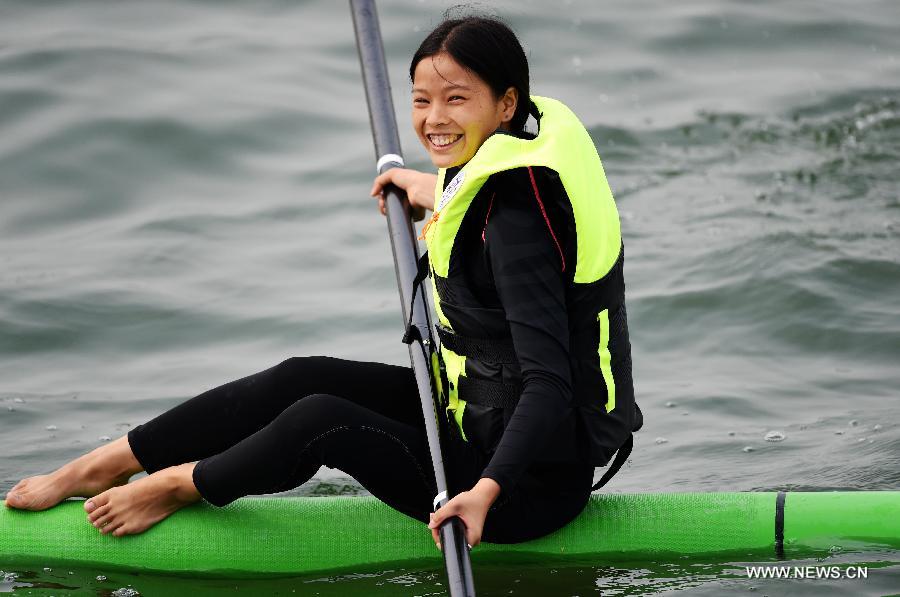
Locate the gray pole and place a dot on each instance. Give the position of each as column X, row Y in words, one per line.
column 406, row 253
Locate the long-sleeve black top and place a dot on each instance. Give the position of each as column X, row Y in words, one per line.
column 518, row 253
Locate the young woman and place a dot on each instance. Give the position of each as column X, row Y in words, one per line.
column 526, row 257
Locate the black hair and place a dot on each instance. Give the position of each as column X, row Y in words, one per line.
column 487, row 47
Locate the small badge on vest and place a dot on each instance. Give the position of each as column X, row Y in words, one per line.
column 451, row 189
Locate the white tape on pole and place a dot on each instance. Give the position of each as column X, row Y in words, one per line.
column 389, row 158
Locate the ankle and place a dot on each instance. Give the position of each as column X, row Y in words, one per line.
column 121, row 459
column 183, row 482
column 114, row 460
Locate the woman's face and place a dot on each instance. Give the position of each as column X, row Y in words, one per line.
column 454, row 110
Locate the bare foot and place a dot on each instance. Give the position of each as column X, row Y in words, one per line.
column 108, row 466
column 135, row 507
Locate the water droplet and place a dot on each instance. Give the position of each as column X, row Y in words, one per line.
column 660, row 440
column 731, row 434
column 19, row 400
column 839, row 432
column 671, row 404
column 854, row 423
column 70, row 572
column 749, row 449
column 104, row 438
column 50, row 427
column 48, row 569
column 101, row 578
column 876, row 427
column 836, row 549
column 775, row 436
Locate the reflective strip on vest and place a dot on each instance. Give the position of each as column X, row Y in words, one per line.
column 606, row 360
column 456, row 366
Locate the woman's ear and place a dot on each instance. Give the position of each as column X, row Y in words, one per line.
column 508, row 103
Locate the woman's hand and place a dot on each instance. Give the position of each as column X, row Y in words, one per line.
column 470, row 506
column 419, row 187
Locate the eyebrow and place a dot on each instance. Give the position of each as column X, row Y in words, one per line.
column 444, row 88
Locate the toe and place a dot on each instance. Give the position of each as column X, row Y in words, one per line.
column 111, row 527
column 98, row 513
column 19, row 499
column 96, row 501
column 107, row 521
column 122, row 530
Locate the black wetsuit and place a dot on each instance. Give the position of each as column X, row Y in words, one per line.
column 271, row 431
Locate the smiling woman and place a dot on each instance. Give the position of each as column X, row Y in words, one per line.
column 455, row 110
column 535, row 351
column 535, row 364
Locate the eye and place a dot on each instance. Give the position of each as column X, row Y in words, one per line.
column 420, row 101
column 456, row 97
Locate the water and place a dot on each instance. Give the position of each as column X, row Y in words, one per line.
column 184, row 202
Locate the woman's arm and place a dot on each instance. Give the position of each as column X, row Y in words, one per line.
column 526, row 266
column 471, row 507
column 419, row 187
column 526, row 261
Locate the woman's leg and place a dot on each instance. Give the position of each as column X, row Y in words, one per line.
column 546, row 499
column 219, row 418
column 216, row 420
column 390, row 458
column 108, row 466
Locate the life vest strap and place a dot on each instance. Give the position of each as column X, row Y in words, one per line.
column 488, row 393
column 411, row 333
column 487, row 350
column 622, row 455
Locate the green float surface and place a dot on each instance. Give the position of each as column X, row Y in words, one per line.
column 256, row 536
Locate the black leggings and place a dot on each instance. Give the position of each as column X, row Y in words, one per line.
column 271, row 432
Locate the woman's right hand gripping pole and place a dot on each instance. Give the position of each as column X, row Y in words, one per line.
column 419, row 187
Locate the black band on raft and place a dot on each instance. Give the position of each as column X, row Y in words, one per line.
column 779, row 525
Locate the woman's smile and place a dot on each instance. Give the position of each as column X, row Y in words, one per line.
column 454, row 110
column 443, row 141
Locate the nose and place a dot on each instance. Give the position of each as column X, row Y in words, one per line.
column 437, row 115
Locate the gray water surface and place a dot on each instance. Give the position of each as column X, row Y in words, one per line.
column 183, row 201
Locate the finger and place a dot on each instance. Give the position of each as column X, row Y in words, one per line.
column 447, row 510
column 378, row 184
column 385, row 177
column 473, row 536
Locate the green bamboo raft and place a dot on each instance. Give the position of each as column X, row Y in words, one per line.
column 294, row 536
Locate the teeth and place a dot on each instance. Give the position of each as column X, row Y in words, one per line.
column 442, row 140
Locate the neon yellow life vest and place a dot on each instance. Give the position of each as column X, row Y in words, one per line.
column 564, row 146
